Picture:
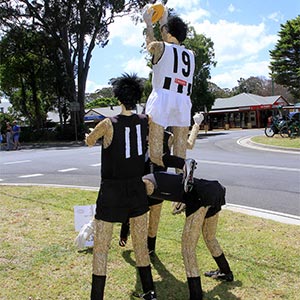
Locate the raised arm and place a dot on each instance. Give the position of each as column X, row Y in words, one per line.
column 198, row 119
column 153, row 46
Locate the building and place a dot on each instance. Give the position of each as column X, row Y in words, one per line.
column 95, row 115
column 244, row 111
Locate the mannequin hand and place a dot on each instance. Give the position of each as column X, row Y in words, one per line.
column 85, row 232
column 147, row 14
column 164, row 18
column 198, row 118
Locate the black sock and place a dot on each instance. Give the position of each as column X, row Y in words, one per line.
column 124, row 230
column 146, row 278
column 98, row 284
column 151, row 243
column 195, row 288
column 172, row 161
column 222, row 264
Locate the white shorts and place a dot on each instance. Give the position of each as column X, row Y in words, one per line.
column 168, row 108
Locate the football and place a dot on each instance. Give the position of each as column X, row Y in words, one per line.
column 158, row 11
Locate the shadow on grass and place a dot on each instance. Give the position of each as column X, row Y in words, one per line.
column 222, row 291
column 167, row 280
column 88, row 250
column 169, row 287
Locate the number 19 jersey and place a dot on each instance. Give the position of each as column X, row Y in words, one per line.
column 169, row 103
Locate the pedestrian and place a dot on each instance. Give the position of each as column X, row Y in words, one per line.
column 122, row 192
column 16, row 135
column 9, row 141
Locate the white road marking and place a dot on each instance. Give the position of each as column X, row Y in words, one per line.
column 31, row 175
column 248, row 165
column 96, row 165
column 17, row 162
column 67, row 170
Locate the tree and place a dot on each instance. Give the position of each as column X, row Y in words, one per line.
column 261, row 86
column 27, row 74
column 219, row 92
column 204, row 54
column 105, row 92
column 102, row 102
column 285, row 58
column 76, row 26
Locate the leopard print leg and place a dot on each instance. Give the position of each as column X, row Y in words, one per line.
column 190, row 237
column 179, row 149
column 209, row 230
column 154, row 217
column 156, row 138
column 102, row 239
column 180, row 141
column 138, row 229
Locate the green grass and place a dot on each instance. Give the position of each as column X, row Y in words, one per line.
column 277, row 140
column 38, row 260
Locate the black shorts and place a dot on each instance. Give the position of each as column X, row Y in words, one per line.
column 118, row 200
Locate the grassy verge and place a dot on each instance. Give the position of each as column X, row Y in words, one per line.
column 38, row 260
column 277, row 140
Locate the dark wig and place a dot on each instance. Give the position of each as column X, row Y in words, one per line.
column 128, row 89
column 177, row 28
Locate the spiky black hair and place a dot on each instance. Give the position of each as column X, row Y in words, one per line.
column 128, row 89
column 177, row 28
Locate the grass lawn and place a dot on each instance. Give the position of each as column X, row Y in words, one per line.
column 38, row 260
column 277, row 140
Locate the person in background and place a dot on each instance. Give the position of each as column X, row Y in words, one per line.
column 16, row 135
column 9, row 141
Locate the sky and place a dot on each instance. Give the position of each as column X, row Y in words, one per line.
column 243, row 33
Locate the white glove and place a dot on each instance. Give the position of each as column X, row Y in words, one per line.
column 164, row 19
column 84, row 233
column 147, row 14
column 198, row 118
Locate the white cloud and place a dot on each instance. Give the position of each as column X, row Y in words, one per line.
column 137, row 65
column 229, row 78
column 130, row 34
column 231, row 8
column 183, row 5
column 92, row 86
column 195, row 15
column 275, row 16
column 234, row 41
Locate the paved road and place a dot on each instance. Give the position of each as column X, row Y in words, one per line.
column 260, row 179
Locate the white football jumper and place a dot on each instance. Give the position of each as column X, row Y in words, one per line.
column 169, row 103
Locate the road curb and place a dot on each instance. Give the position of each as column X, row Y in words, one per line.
column 265, row 214
column 247, row 142
column 256, row 212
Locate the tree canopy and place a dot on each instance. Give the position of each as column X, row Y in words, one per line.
column 285, row 58
column 27, row 74
column 75, row 26
column 204, row 60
